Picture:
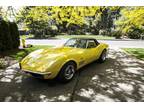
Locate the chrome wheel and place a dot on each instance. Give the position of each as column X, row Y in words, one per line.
column 69, row 72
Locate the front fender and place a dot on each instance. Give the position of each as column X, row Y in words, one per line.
column 58, row 64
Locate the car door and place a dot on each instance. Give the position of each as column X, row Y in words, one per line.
column 96, row 52
column 92, row 51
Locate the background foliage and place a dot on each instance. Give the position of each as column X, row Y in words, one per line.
column 131, row 22
column 48, row 21
column 43, row 20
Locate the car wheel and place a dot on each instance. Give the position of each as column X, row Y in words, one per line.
column 103, row 56
column 67, row 72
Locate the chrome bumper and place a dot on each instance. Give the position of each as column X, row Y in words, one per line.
column 40, row 75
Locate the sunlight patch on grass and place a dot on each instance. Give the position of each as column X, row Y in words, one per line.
column 137, row 52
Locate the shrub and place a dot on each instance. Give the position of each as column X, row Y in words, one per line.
column 94, row 31
column 134, row 33
column 117, row 34
column 53, row 32
column 103, row 32
column 14, row 34
column 9, row 36
column 5, row 38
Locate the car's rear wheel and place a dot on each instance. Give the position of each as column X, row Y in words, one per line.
column 103, row 56
column 67, row 72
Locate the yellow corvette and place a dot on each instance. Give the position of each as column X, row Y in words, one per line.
column 63, row 62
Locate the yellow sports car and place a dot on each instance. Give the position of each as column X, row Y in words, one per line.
column 63, row 62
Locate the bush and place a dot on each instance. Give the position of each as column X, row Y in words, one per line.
column 116, row 34
column 104, row 32
column 14, row 34
column 9, row 36
column 5, row 38
column 94, row 32
column 134, row 33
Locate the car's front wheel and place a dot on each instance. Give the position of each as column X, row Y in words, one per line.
column 67, row 72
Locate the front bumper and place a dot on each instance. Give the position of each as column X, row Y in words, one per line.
column 40, row 75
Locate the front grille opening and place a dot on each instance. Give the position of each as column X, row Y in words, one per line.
column 36, row 75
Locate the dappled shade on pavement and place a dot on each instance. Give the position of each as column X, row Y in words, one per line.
column 120, row 78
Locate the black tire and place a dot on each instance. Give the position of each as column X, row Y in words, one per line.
column 67, row 72
column 103, row 56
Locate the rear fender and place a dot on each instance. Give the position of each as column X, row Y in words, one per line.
column 102, row 47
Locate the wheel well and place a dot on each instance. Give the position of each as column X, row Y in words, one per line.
column 105, row 49
column 65, row 64
column 72, row 62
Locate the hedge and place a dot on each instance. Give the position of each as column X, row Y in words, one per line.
column 14, row 34
column 9, row 36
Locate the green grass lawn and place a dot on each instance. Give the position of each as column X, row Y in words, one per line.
column 137, row 52
column 21, row 53
column 99, row 37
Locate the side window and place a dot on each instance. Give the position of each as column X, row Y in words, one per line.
column 82, row 43
column 91, row 44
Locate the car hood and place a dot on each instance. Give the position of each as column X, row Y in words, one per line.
column 39, row 60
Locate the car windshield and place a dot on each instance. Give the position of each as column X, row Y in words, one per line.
column 76, row 43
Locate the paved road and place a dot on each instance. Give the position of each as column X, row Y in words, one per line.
column 120, row 78
column 112, row 43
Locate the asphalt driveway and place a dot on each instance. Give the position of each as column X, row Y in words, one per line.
column 120, row 78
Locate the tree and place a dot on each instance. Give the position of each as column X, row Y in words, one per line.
column 5, row 39
column 131, row 22
column 9, row 35
column 42, row 17
column 14, row 34
column 37, row 19
column 67, row 19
